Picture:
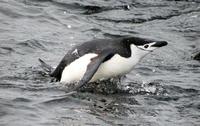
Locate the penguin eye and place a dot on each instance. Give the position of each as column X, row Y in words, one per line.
column 146, row 46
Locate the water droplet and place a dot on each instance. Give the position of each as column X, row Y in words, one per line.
column 71, row 37
column 72, row 44
column 144, row 82
column 128, row 7
column 69, row 26
column 138, row 75
column 194, row 16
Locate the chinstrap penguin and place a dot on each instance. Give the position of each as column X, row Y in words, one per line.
column 101, row 59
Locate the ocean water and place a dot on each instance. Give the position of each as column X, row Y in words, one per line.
column 162, row 90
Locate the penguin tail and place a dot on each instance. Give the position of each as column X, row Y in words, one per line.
column 47, row 68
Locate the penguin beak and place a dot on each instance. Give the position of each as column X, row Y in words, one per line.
column 160, row 44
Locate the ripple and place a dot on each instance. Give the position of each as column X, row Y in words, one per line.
column 34, row 44
column 7, row 84
column 167, row 98
column 21, row 100
column 179, row 90
column 194, row 105
column 93, row 9
column 31, row 79
column 113, row 35
column 10, row 13
column 6, row 50
column 197, row 1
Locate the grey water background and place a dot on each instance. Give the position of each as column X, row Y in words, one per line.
column 163, row 90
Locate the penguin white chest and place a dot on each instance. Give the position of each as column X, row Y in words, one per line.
column 119, row 65
column 116, row 66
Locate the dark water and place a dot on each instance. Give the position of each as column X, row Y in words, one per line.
column 163, row 90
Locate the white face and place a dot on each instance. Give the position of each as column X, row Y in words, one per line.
column 147, row 47
column 138, row 52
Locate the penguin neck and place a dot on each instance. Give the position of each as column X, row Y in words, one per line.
column 137, row 54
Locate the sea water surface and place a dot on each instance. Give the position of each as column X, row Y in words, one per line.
column 162, row 90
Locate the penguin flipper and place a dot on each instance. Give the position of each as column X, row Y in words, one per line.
column 93, row 67
column 47, row 68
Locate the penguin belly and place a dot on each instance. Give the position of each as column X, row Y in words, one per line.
column 115, row 66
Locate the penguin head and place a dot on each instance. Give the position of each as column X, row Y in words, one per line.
column 143, row 46
column 151, row 45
